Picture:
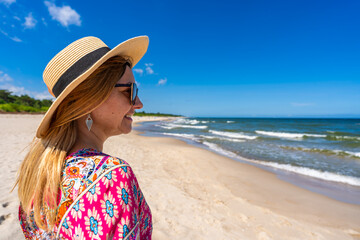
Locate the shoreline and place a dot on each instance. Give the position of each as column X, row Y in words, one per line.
column 194, row 193
column 339, row 191
column 308, row 212
column 278, row 196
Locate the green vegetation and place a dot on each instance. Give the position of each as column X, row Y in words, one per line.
column 155, row 114
column 27, row 104
column 22, row 104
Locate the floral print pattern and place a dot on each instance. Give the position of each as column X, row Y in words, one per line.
column 100, row 199
column 109, row 209
column 93, row 224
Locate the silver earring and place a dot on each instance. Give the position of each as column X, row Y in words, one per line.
column 89, row 121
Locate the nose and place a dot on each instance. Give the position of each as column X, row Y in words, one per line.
column 138, row 104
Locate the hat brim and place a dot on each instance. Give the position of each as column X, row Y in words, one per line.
column 135, row 48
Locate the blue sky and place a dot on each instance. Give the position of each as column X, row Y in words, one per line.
column 205, row 58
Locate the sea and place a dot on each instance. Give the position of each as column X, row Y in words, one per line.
column 321, row 155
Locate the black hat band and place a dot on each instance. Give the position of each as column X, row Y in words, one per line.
column 78, row 68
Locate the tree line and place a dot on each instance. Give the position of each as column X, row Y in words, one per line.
column 24, row 103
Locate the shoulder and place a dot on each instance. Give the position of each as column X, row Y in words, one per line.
column 90, row 166
column 111, row 200
column 82, row 170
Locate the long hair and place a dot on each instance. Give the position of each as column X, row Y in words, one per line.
column 39, row 176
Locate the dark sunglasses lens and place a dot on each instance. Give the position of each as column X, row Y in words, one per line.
column 134, row 93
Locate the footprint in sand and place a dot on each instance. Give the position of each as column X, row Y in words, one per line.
column 4, row 217
column 5, row 204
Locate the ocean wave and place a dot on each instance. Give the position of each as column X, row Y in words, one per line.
column 220, row 150
column 323, row 175
column 183, row 135
column 327, row 176
column 230, row 121
column 187, row 121
column 288, row 135
column 342, row 138
column 222, row 138
column 172, row 126
column 232, row 135
column 324, row 151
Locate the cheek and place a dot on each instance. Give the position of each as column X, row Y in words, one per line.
column 118, row 109
column 113, row 109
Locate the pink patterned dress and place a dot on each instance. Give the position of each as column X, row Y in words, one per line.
column 100, row 198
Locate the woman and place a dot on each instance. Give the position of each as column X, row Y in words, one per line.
column 68, row 188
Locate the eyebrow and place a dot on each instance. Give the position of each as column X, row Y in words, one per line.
column 124, row 83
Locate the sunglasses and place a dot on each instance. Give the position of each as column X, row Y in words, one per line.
column 134, row 91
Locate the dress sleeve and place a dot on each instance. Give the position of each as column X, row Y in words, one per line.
column 110, row 209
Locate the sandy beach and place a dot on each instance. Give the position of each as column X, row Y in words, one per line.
column 194, row 193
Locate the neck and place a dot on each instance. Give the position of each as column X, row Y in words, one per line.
column 88, row 139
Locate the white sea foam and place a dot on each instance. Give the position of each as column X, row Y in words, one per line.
column 327, row 176
column 222, row 138
column 288, row 135
column 193, row 122
column 232, row 135
column 183, row 135
column 204, row 121
column 356, row 154
column 348, row 137
column 187, row 121
column 342, row 137
column 230, row 121
column 172, row 126
column 325, row 151
column 340, row 152
column 218, row 149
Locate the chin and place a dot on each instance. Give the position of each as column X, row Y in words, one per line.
column 126, row 131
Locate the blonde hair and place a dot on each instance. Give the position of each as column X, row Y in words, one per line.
column 39, row 176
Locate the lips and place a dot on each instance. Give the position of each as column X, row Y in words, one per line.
column 128, row 116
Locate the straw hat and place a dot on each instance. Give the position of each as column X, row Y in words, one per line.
column 77, row 61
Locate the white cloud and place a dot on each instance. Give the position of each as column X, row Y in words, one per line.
column 44, row 22
column 148, row 68
column 15, row 39
column 162, row 81
column 65, row 15
column 138, row 71
column 7, row 2
column 4, row 77
column 30, row 21
column 16, row 90
column 5, row 33
column 42, row 95
column 294, row 104
column 17, row 18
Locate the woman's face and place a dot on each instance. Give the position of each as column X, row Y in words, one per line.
column 110, row 118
